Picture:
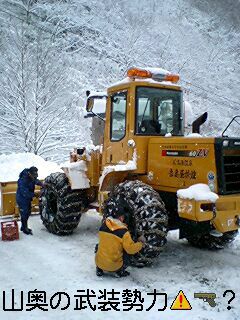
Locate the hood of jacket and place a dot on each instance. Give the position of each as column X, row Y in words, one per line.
column 115, row 224
column 24, row 173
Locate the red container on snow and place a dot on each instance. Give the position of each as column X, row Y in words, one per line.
column 9, row 230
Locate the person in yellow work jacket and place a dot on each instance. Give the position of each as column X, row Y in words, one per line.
column 115, row 243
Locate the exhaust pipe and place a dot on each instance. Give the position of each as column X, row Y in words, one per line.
column 198, row 122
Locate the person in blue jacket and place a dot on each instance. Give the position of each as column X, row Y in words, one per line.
column 28, row 178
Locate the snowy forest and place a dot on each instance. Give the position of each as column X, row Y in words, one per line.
column 52, row 51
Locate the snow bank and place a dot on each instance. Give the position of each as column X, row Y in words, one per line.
column 12, row 164
column 198, row 192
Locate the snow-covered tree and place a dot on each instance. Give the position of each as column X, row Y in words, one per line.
column 38, row 106
column 52, row 51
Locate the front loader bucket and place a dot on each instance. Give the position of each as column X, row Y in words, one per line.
column 8, row 205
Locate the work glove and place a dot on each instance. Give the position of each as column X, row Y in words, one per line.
column 46, row 185
column 142, row 239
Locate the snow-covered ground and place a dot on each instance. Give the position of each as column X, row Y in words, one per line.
column 50, row 263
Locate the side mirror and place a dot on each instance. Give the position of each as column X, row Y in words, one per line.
column 96, row 104
column 90, row 104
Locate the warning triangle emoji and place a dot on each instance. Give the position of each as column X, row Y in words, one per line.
column 181, row 302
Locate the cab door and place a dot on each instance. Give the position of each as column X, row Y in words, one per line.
column 116, row 147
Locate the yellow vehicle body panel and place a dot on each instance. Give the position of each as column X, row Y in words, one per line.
column 165, row 163
column 116, row 151
column 224, row 218
column 227, row 211
column 191, row 210
column 8, row 199
column 179, row 162
column 94, row 167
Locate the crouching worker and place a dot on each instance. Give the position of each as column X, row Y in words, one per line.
column 115, row 244
column 25, row 193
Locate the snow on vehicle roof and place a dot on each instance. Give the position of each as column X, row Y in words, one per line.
column 157, row 70
column 98, row 93
column 154, row 71
column 198, row 192
column 12, row 164
column 147, row 80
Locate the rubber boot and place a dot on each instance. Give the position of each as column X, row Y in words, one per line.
column 28, row 229
column 99, row 272
column 122, row 273
column 24, row 228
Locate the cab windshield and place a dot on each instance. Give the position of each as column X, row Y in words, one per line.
column 159, row 111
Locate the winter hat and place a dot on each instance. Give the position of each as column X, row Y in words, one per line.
column 33, row 171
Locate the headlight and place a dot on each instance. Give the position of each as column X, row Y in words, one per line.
column 225, row 143
column 211, row 186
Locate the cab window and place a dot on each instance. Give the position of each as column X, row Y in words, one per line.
column 118, row 116
column 158, row 111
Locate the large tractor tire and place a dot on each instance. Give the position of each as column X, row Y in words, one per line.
column 60, row 207
column 210, row 242
column 146, row 215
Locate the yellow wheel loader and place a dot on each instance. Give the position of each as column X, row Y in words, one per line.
column 143, row 162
